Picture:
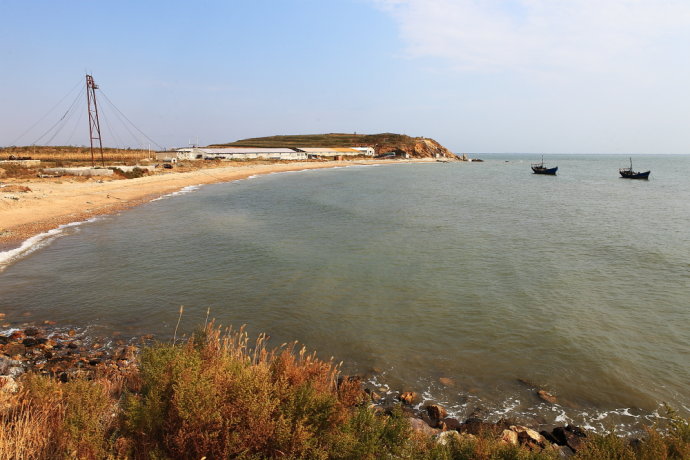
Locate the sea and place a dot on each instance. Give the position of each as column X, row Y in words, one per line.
column 473, row 284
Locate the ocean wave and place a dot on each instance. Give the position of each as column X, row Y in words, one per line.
column 624, row 421
column 36, row 242
column 182, row 191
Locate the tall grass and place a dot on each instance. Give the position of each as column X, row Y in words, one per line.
column 218, row 395
column 70, row 153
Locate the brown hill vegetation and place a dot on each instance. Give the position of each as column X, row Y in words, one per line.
column 415, row 147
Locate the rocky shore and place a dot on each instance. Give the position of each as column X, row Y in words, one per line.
column 433, row 420
column 67, row 354
column 62, row 354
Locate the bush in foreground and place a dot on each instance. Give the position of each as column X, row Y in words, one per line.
column 216, row 397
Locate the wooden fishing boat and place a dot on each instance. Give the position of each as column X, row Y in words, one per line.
column 628, row 173
column 539, row 168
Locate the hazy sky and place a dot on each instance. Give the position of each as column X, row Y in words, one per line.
column 478, row 76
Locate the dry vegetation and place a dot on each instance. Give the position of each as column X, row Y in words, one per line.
column 216, row 397
column 71, row 153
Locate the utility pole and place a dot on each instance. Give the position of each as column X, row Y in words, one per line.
column 94, row 125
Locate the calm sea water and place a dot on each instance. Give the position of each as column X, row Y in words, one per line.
column 482, row 273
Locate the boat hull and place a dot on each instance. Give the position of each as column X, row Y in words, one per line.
column 634, row 175
column 546, row 171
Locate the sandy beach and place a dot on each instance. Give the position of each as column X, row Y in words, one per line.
column 54, row 202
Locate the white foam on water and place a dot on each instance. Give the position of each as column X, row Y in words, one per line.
column 182, row 191
column 36, row 242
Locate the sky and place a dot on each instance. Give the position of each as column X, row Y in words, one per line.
column 534, row 76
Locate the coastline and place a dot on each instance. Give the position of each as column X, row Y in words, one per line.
column 54, row 203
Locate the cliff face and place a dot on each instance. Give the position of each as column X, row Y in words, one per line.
column 414, row 147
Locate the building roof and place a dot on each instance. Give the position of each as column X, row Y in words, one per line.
column 229, row 150
column 319, row 150
column 346, row 150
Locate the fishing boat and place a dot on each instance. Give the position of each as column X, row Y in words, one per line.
column 628, row 173
column 539, row 168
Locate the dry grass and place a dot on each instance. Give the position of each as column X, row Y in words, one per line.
column 70, row 153
column 219, row 396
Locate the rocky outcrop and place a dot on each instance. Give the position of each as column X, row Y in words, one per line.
column 414, row 147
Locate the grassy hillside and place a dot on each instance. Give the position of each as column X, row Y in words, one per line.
column 322, row 140
column 415, row 147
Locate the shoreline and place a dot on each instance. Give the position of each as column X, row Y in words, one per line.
column 51, row 203
column 66, row 357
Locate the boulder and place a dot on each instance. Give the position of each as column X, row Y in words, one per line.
column 509, row 437
column 4, row 365
column 408, row 397
column 570, row 436
column 446, row 382
column 450, row 423
column 14, row 349
column 546, row 396
column 31, row 331
column 448, row 437
column 8, row 384
column 479, row 427
column 436, row 413
column 420, row 426
column 529, row 436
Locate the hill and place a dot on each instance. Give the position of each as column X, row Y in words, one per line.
column 415, row 147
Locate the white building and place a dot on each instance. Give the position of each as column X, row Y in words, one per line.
column 368, row 151
column 240, row 153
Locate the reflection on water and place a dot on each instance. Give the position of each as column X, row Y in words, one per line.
column 503, row 281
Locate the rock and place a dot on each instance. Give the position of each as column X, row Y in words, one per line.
column 3, row 340
column 408, row 397
column 15, row 371
column 129, row 353
column 8, row 384
column 509, row 437
column 2, row 315
column 74, row 345
column 72, row 333
column 29, row 342
column 32, row 331
column 49, row 322
column 529, row 437
column 446, row 382
column 451, row 423
column 546, row 396
column 4, row 365
column 549, row 437
column 448, row 437
column 563, row 451
column 375, row 397
column 17, row 335
column 419, row 426
column 479, row 427
column 14, row 349
column 436, row 413
column 570, row 436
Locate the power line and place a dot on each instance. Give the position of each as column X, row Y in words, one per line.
column 130, row 122
column 47, row 113
column 59, row 121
